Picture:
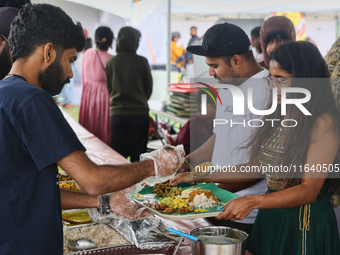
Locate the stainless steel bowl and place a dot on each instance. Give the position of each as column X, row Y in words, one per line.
column 199, row 248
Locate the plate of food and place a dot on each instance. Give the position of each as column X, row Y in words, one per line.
column 72, row 185
column 184, row 202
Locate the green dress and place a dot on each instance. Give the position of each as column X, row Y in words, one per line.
column 304, row 230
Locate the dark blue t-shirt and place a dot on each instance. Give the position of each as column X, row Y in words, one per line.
column 33, row 135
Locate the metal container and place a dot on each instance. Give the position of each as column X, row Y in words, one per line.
column 128, row 249
column 171, row 248
column 200, row 248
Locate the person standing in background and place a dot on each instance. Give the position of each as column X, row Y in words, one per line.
column 176, row 52
column 7, row 14
column 67, row 91
column 129, row 82
column 88, row 40
column 189, row 61
column 194, row 37
column 275, row 31
column 256, row 43
column 94, row 112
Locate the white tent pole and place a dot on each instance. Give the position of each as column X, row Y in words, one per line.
column 131, row 17
column 168, row 43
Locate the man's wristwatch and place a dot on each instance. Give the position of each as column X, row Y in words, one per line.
column 105, row 207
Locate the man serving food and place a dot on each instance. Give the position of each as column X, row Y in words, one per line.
column 36, row 138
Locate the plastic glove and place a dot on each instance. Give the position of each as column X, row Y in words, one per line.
column 167, row 159
column 122, row 205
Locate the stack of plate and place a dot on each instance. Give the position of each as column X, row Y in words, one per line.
column 182, row 101
column 182, row 105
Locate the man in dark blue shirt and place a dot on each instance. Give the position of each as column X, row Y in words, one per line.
column 35, row 137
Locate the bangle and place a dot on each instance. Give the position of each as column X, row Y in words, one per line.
column 105, row 207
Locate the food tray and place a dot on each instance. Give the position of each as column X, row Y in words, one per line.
column 223, row 195
column 128, row 249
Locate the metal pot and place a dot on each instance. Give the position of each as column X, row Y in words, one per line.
column 200, row 248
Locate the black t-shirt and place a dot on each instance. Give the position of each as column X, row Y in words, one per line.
column 33, row 136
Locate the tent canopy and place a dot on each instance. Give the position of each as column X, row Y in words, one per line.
column 248, row 6
column 215, row 7
column 149, row 16
column 117, row 7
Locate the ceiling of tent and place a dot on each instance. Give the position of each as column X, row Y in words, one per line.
column 120, row 8
column 231, row 9
column 250, row 6
column 248, row 9
column 214, row 17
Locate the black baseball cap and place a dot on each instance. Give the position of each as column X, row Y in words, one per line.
column 7, row 15
column 222, row 40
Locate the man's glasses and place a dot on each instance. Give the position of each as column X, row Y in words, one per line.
column 4, row 38
column 277, row 82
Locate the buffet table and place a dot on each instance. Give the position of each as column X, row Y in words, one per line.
column 100, row 153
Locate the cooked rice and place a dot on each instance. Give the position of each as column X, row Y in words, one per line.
column 101, row 235
column 185, row 193
column 202, row 201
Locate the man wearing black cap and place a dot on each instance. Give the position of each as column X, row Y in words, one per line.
column 7, row 14
column 228, row 54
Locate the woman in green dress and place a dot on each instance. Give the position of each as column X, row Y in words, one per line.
column 295, row 215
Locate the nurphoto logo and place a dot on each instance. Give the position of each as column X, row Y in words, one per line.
column 239, row 104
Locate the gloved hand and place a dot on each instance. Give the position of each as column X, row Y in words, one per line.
column 123, row 206
column 167, row 159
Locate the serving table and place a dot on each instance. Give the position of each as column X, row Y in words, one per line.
column 100, row 153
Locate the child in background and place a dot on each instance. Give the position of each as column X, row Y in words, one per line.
column 199, row 128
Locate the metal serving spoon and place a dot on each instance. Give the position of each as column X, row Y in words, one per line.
column 81, row 244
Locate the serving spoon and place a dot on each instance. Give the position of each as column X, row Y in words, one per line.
column 220, row 239
column 81, row 244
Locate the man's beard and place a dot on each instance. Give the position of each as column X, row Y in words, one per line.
column 232, row 79
column 219, row 79
column 5, row 61
column 51, row 78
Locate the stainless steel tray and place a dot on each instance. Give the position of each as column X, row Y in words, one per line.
column 128, row 249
